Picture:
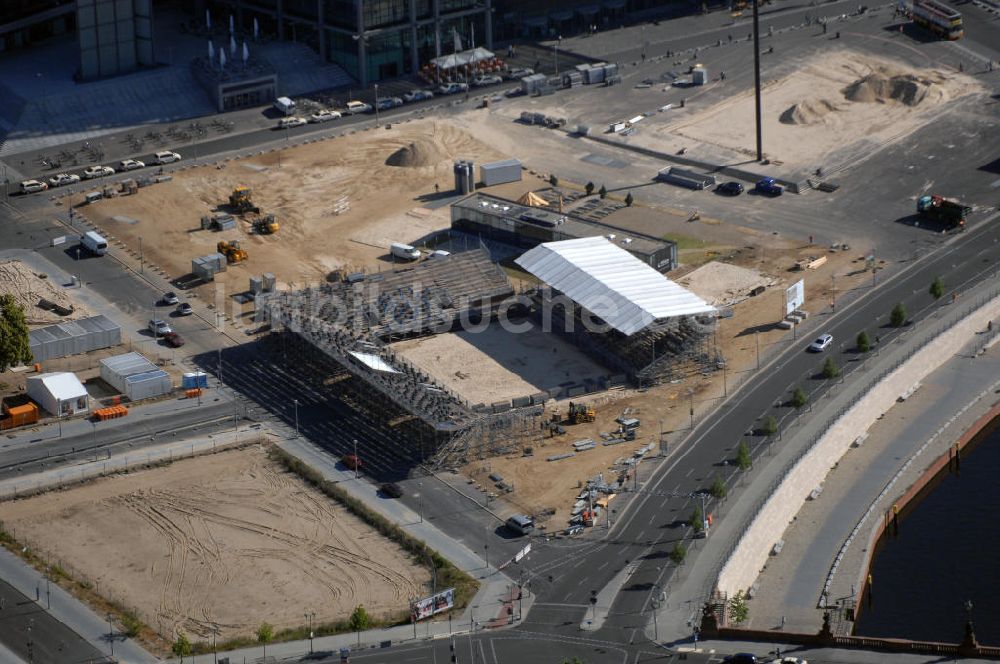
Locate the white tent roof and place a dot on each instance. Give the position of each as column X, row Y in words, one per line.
column 63, row 385
column 373, row 362
column 611, row 283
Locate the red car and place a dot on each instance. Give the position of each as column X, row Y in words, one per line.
column 351, row 461
column 173, row 339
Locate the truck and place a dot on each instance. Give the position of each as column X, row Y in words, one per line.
column 943, row 210
column 94, row 243
column 284, row 105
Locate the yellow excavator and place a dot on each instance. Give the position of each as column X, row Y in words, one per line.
column 266, row 225
column 232, row 251
column 579, row 412
column 241, row 201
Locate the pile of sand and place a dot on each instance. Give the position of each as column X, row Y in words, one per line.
column 808, row 112
column 419, row 153
column 30, row 289
column 884, row 86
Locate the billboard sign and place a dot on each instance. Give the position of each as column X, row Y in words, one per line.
column 795, row 296
column 429, row 606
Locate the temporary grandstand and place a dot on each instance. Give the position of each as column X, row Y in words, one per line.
column 353, row 321
column 621, row 310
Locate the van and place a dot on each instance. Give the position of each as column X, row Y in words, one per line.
column 521, row 524
column 284, row 105
column 166, row 157
column 94, row 243
column 31, row 186
column 404, row 251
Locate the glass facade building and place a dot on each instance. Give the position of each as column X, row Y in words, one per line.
column 372, row 39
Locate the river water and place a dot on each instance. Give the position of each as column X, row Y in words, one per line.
column 947, row 552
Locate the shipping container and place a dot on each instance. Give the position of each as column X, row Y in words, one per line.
column 500, row 172
column 73, row 337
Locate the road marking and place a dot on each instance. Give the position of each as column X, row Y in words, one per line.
column 689, row 473
column 604, row 564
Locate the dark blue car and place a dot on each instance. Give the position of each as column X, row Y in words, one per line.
column 768, row 187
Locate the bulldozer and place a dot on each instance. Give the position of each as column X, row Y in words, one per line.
column 241, row 201
column 232, row 251
column 266, row 225
column 579, row 412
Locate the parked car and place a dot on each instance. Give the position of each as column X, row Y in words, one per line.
column 287, row 123
column 97, row 172
column 822, row 343
column 159, row 327
column 453, row 88
column 730, row 188
column 351, row 461
column 418, row 95
column 130, row 165
column 769, row 187
column 573, row 530
column 63, row 179
column 173, row 339
column 488, row 79
column 355, row 107
column 31, row 186
column 184, row 309
column 166, row 157
column 324, row 115
column 741, row 658
column 385, row 103
column 520, row 72
column 789, row 660
column 391, row 490
column 169, row 298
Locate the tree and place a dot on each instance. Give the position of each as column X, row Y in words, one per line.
column 360, row 620
column 574, row 660
column 799, row 397
column 718, row 489
column 770, row 426
column 864, row 343
column 738, row 608
column 264, row 634
column 589, row 188
column 937, row 289
column 628, row 199
column 697, row 520
column 743, row 460
column 14, row 347
column 181, row 647
column 898, row 316
column 830, row 368
column 603, row 191
column 678, row 553
column 553, row 180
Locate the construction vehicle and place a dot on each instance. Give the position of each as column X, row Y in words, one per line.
column 941, row 209
column 266, row 225
column 579, row 412
column 232, row 251
column 241, row 201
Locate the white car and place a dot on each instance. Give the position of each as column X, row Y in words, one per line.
column 62, row 179
column 453, row 88
column 520, row 73
column 130, row 165
column 166, row 157
column 31, row 186
column 354, row 107
column 489, row 79
column 418, row 95
column 822, row 343
column 286, row 123
column 159, row 327
column 789, row 660
column 98, row 172
column 324, row 116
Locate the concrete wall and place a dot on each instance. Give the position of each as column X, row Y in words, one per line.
column 751, row 553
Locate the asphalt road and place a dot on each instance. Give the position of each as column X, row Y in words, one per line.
column 32, row 634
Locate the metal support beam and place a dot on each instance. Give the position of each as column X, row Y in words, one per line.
column 756, row 77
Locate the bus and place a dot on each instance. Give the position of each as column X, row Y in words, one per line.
column 939, row 18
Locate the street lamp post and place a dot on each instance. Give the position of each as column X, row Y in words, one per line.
column 310, row 616
column 111, row 638
column 142, row 268
column 215, row 649
column 376, row 105
column 296, row 402
column 420, row 501
column 357, row 461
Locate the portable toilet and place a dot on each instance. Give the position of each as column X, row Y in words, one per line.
column 699, row 75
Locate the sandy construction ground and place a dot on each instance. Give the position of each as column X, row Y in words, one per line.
column 227, row 540
column 834, row 103
column 722, row 284
column 28, row 288
column 495, row 364
column 303, row 187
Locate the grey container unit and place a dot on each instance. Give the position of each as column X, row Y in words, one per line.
column 531, row 84
column 610, row 69
column 269, row 282
column 500, row 172
column 685, row 178
column 116, row 372
column 595, row 74
column 572, row 79
column 73, row 337
column 147, row 385
column 205, row 267
column 226, row 223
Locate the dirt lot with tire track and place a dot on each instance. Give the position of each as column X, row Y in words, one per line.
column 229, row 541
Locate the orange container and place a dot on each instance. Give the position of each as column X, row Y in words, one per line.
column 22, row 415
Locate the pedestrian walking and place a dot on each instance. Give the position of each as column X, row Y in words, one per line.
column 782, row 623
